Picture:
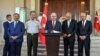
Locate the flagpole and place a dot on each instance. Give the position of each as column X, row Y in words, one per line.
column 46, row 1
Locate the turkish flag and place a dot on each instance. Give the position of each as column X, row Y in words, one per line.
column 96, row 22
column 43, row 24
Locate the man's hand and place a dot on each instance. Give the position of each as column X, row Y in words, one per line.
column 65, row 35
column 82, row 37
column 14, row 37
column 69, row 35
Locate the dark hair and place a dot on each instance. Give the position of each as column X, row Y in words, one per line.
column 8, row 15
column 16, row 14
column 32, row 12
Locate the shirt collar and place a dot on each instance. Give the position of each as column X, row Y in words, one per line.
column 84, row 20
column 16, row 21
column 70, row 19
column 54, row 20
column 9, row 21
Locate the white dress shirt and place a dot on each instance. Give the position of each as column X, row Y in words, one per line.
column 68, row 22
column 32, row 26
column 9, row 21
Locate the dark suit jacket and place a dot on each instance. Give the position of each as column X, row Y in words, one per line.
column 6, row 26
column 16, row 31
column 87, row 30
column 71, row 29
column 49, row 27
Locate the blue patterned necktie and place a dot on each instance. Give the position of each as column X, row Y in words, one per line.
column 15, row 24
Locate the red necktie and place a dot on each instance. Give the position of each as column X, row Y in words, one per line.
column 53, row 24
column 83, row 24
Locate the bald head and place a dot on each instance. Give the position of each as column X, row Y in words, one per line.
column 68, row 15
column 83, row 16
column 53, row 16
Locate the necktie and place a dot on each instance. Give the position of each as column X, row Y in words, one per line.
column 53, row 24
column 83, row 25
column 15, row 24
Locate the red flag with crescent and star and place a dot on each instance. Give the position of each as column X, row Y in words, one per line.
column 43, row 24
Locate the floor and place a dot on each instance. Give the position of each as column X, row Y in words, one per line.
column 95, row 47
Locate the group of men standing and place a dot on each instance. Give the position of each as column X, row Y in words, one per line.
column 82, row 29
column 14, row 31
column 13, row 35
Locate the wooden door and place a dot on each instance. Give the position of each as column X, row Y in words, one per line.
column 63, row 6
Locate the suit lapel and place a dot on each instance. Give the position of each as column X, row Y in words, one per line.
column 66, row 24
column 13, row 25
column 50, row 24
column 81, row 25
column 69, row 24
column 7, row 24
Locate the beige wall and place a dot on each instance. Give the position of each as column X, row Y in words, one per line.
column 92, row 10
column 97, row 4
column 94, row 5
column 32, row 5
column 37, row 5
column 8, row 7
column 97, row 8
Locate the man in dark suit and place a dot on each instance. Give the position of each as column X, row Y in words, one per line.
column 15, row 32
column 69, row 28
column 53, row 24
column 84, row 31
column 6, row 49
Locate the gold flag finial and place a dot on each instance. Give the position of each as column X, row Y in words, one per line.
column 46, row 3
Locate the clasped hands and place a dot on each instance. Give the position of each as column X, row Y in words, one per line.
column 14, row 37
column 67, row 35
column 82, row 37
